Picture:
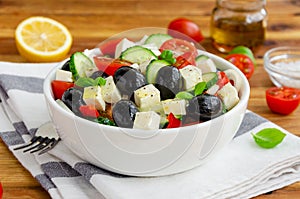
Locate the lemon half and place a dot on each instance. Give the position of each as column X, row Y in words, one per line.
column 41, row 39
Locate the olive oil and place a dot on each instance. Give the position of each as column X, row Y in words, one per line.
column 228, row 32
column 238, row 22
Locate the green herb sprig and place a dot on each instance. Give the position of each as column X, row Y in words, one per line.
column 167, row 55
column 87, row 81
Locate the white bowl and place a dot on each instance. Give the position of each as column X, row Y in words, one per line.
column 145, row 152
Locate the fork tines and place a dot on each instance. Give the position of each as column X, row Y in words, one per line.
column 41, row 143
column 38, row 143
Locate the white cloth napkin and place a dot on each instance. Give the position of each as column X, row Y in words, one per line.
column 241, row 170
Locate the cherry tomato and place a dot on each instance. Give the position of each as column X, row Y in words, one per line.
column 283, row 100
column 181, row 62
column 59, row 87
column 245, row 51
column 222, row 79
column 89, row 111
column 185, row 29
column 173, row 121
column 243, row 62
column 180, row 48
column 109, row 65
column 109, row 47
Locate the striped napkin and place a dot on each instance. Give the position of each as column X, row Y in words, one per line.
column 241, row 170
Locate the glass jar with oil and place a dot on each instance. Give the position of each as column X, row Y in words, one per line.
column 238, row 22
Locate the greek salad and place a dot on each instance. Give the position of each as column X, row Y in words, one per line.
column 156, row 82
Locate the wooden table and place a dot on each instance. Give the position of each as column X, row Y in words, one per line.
column 92, row 21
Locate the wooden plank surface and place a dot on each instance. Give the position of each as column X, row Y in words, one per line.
column 92, row 21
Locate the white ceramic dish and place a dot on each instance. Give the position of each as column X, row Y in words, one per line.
column 145, row 152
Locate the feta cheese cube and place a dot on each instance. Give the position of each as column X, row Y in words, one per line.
column 92, row 53
column 63, row 75
column 110, row 92
column 175, row 106
column 191, row 76
column 213, row 90
column 228, row 95
column 147, row 96
column 207, row 66
column 142, row 41
column 135, row 66
column 153, row 48
column 92, row 96
column 143, row 65
column 149, row 120
column 122, row 46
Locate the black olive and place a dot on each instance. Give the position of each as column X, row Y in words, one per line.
column 168, row 82
column 128, row 79
column 203, row 108
column 66, row 66
column 124, row 113
column 98, row 73
column 72, row 97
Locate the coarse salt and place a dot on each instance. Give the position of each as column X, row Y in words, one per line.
column 291, row 66
column 291, row 69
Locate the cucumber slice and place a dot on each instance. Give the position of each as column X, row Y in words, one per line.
column 201, row 58
column 137, row 54
column 158, row 39
column 210, row 79
column 163, row 122
column 153, row 68
column 79, row 64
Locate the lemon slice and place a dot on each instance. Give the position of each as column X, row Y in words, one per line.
column 41, row 39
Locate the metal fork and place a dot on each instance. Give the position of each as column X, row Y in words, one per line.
column 45, row 139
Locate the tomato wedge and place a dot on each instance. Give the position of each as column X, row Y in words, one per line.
column 184, row 60
column 89, row 111
column 222, row 79
column 243, row 62
column 59, row 87
column 109, row 65
column 282, row 100
column 108, row 47
column 173, row 121
column 180, row 48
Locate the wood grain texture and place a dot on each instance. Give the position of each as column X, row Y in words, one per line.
column 92, row 21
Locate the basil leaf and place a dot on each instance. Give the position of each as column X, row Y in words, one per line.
column 269, row 137
column 167, row 55
column 199, row 88
column 84, row 82
column 184, row 95
column 100, row 81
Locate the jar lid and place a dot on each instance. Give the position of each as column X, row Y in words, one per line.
column 242, row 5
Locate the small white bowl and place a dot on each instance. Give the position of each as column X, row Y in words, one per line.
column 283, row 66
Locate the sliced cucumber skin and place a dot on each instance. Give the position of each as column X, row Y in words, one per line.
column 137, row 54
column 79, row 63
column 200, row 58
column 153, row 68
column 210, row 78
column 158, row 39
